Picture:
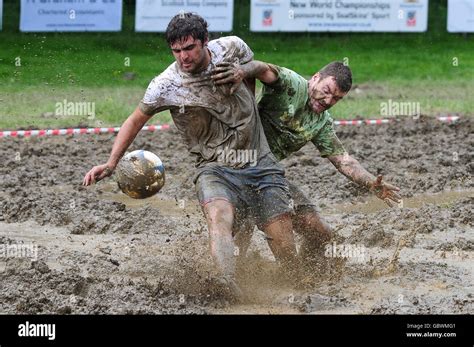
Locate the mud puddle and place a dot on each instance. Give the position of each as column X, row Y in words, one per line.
column 373, row 204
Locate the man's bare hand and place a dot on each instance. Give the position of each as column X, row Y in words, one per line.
column 96, row 174
column 385, row 191
column 226, row 72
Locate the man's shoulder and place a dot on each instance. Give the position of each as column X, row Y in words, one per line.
column 284, row 72
column 288, row 83
column 229, row 48
column 170, row 76
column 164, row 86
column 226, row 42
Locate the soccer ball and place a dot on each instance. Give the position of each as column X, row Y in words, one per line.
column 140, row 174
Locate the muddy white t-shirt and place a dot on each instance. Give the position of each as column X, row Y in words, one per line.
column 209, row 119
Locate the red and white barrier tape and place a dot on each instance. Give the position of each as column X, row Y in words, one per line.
column 72, row 131
column 446, row 119
column 360, row 121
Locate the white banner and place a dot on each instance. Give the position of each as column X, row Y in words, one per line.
column 460, row 16
column 154, row 15
column 339, row 15
column 71, row 15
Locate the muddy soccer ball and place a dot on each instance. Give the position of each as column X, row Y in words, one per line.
column 140, row 174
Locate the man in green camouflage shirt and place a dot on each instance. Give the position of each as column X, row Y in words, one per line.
column 293, row 112
column 289, row 120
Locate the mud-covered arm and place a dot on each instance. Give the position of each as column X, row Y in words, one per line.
column 126, row 135
column 235, row 73
column 352, row 169
column 329, row 146
column 259, row 70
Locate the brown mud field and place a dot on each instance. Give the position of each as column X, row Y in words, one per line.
column 96, row 251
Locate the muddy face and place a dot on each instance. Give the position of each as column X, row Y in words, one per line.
column 191, row 55
column 323, row 93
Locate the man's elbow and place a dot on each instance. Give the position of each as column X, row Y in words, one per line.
column 267, row 75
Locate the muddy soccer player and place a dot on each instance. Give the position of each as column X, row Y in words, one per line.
column 216, row 124
column 294, row 111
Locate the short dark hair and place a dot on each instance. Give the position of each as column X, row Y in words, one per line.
column 341, row 73
column 186, row 24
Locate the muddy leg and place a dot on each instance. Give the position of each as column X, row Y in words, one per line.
column 243, row 237
column 317, row 234
column 282, row 243
column 220, row 217
column 315, row 231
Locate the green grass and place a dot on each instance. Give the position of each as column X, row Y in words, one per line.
column 90, row 67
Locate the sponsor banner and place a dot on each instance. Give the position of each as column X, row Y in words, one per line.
column 154, row 15
column 460, row 16
column 339, row 15
column 71, row 15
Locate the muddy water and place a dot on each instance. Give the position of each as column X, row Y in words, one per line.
column 373, row 204
column 99, row 251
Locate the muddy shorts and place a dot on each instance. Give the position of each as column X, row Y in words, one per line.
column 257, row 192
column 301, row 202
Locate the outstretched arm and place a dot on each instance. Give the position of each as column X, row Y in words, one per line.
column 353, row 170
column 126, row 135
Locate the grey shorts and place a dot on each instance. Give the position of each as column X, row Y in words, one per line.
column 257, row 192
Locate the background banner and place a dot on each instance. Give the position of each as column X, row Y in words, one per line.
column 339, row 15
column 460, row 16
column 63, row 15
column 154, row 15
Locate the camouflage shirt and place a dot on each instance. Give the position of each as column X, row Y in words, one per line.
column 288, row 120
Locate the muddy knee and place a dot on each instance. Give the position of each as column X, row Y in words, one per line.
column 219, row 215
